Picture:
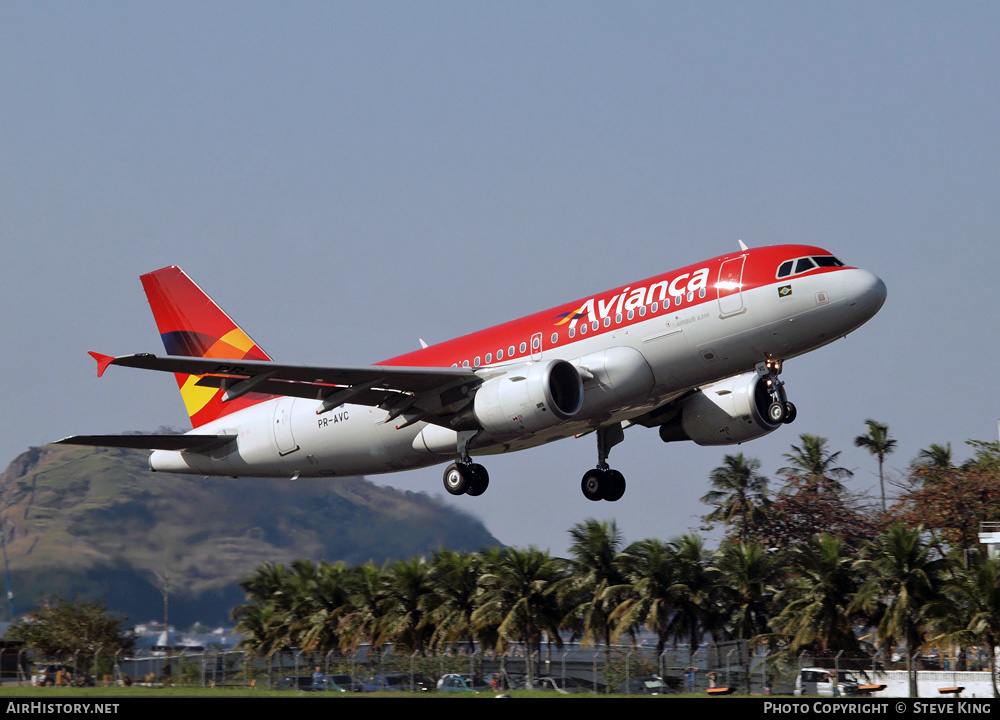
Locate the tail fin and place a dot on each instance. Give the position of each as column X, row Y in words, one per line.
column 191, row 324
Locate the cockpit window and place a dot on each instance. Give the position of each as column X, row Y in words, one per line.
column 828, row 261
column 805, row 264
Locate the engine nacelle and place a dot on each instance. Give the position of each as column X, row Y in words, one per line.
column 529, row 398
column 730, row 411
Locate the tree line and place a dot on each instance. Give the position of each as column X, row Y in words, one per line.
column 809, row 567
column 812, row 567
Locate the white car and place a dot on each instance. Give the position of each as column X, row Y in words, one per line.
column 819, row 681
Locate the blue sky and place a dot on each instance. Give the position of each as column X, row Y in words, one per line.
column 345, row 178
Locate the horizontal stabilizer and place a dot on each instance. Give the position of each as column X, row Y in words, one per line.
column 194, row 443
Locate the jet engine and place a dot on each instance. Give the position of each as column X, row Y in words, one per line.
column 529, row 398
column 730, row 411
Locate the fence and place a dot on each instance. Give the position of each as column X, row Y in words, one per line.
column 570, row 668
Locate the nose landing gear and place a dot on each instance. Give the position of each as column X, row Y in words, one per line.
column 780, row 410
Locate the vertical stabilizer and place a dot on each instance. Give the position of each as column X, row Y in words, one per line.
column 191, row 324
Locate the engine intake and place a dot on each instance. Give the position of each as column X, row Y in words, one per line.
column 529, row 398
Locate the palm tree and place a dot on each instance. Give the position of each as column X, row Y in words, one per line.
column 266, row 618
column 812, row 466
column 453, row 582
column 936, row 456
column 748, row 576
column 364, row 618
column 691, row 594
column 519, row 600
column 405, row 595
column 902, row 579
column 739, row 494
column 932, row 465
column 320, row 599
column 645, row 599
column 877, row 442
column 816, row 602
column 594, row 574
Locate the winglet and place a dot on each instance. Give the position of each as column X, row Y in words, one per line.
column 102, row 361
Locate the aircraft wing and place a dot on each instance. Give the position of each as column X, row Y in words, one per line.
column 197, row 443
column 430, row 391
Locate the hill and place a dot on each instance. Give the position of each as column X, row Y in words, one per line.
column 96, row 522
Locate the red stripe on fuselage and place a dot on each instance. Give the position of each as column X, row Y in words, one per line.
column 759, row 270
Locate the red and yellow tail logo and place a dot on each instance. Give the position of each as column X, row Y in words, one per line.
column 191, row 324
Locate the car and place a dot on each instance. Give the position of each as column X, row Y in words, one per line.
column 398, row 682
column 651, row 685
column 564, row 686
column 347, row 682
column 455, row 683
column 819, row 681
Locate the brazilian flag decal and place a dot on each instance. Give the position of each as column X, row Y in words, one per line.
column 784, row 291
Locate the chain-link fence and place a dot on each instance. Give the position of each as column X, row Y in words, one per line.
column 720, row 668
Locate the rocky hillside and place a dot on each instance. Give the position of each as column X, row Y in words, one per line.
column 96, row 522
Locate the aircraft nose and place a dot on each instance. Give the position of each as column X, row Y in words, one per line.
column 865, row 290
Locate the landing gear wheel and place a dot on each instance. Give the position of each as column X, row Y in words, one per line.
column 776, row 412
column 479, row 481
column 457, row 478
column 616, row 486
column 593, row 484
column 790, row 413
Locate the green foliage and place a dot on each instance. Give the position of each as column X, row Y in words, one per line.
column 63, row 628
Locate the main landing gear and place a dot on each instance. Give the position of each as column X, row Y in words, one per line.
column 780, row 410
column 466, row 477
column 603, row 482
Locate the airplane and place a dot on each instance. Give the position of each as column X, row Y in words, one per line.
column 696, row 353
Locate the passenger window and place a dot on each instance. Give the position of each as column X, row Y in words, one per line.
column 535, row 343
column 555, row 338
column 618, row 319
column 607, row 322
column 690, row 296
column 701, row 293
column 655, row 307
column 489, row 358
column 500, row 354
column 477, row 361
column 595, row 326
column 642, row 311
column 510, row 351
column 631, row 314
column 583, row 329
column 524, row 346
column 465, row 363
column 572, row 333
